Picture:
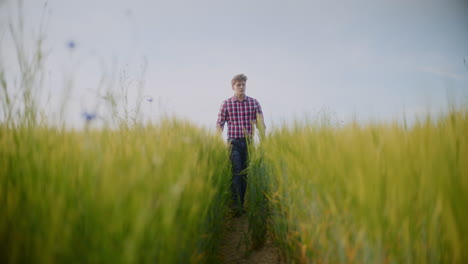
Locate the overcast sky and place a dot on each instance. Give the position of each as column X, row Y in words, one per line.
column 372, row 59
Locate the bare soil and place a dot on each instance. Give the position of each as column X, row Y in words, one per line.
column 235, row 247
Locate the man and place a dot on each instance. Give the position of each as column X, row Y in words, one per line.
column 240, row 112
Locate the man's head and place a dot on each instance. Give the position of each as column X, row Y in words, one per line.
column 238, row 84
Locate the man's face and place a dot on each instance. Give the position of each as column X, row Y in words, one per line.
column 239, row 88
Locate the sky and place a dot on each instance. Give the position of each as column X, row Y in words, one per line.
column 364, row 59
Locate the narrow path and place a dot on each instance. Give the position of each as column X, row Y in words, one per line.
column 234, row 248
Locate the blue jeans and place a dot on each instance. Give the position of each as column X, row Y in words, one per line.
column 239, row 160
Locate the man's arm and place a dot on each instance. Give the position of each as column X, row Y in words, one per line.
column 222, row 117
column 260, row 121
column 261, row 125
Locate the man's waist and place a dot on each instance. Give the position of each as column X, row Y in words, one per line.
column 239, row 139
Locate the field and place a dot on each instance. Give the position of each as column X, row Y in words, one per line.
column 142, row 195
column 136, row 190
column 375, row 193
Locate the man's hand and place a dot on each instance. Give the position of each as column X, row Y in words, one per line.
column 219, row 130
column 261, row 126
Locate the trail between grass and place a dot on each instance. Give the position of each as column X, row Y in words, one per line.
column 234, row 248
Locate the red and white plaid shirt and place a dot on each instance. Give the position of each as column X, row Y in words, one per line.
column 239, row 116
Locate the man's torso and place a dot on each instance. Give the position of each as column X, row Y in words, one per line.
column 240, row 116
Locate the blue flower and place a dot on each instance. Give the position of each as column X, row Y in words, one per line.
column 88, row 116
column 71, row 44
column 149, row 99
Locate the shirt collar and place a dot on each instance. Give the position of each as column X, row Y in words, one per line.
column 234, row 98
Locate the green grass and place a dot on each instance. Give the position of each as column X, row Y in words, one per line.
column 377, row 193
column 141, row 195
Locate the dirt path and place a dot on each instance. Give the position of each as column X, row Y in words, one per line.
column 234, row 247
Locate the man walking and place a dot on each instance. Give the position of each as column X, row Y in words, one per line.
column 241, row 113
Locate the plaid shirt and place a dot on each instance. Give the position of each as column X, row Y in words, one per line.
column 239, row 116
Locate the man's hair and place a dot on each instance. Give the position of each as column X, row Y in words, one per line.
column 238, row 78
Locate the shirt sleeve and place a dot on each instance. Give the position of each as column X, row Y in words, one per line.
column 259, row 108
column 222, row 115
